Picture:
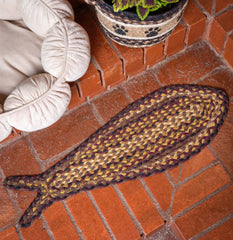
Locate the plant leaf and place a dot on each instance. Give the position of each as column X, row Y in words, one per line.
column 142, row 12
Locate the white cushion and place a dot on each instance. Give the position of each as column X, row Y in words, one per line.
column 39, row 101
column 41, row 15
column 66, row 50
column 20, row 57
column 9, row 10
column 33, row 103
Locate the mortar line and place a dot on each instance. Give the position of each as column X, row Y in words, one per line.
column 18, row 231
column 34, row 153
column 212, row 227
column 78, row 230
column 103, row 219
column 129, row 211
column 220, row 162
column 46, row 227
column 97, row 114
column 153, row 199
column 198, row 203
column 199, row 172
column 12, row 197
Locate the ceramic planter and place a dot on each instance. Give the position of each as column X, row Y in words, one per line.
column 127, row 29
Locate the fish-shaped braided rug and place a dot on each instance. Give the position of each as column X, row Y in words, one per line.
column 150, row 135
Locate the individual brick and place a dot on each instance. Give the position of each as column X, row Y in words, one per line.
column 196, row 21
column 7, row 211
column 161, row 189
column 75, row 98
column 68, row 131
column 198, row 188
column 227, row 52
column 9, row 234
column 176, row 40
column 60, row 223
column 141, row 205
column 220, row 27
column 154, row 54
column 87, row 218
column 115, row 214
column 111, row 103
column 35, row 231
column 223, row 145
column 206, row 214
column 103, row 54
column 132, row 59
column 224, row 231
column 140, row 86
column 189, row 66
column 90, row 84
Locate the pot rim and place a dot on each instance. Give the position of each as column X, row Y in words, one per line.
column 132, row 18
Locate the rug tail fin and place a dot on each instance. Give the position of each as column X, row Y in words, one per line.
column 31, row 183
column 40, row 203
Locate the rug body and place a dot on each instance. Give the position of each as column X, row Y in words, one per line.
column 149, row 136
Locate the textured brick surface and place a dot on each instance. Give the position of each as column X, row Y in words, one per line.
column 206, row 214
column 176, row 40
column 90, row 84
column 199, row 187
column 7, row 212
column 9, row 234
column 36, row 231
column 105, row 56
column 207, row 4
column 196, row 163
column 223, row 145
column 132, row 59
column 220, row 27
column 141, row 205
column 140, row 86
column 115, row 214
column 195, row 62
column 161, row 189
column 196, row 21
column 75, row 98
column 60, row 223
column 111, row 103
column 87, row 218
column 69, row 130
column 154, row 54
column 228, row 50
column 222, row 232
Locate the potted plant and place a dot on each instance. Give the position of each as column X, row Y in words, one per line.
column 138, row 23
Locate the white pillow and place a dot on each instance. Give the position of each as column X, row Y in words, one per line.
column 37, row 102
column 9, row 10
column 41, row 15
column 66, row 50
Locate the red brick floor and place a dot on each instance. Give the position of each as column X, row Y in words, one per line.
column 192, row 201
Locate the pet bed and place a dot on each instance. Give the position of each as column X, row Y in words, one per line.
column 42, row 49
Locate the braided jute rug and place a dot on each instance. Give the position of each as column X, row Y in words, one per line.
column 155, row 133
